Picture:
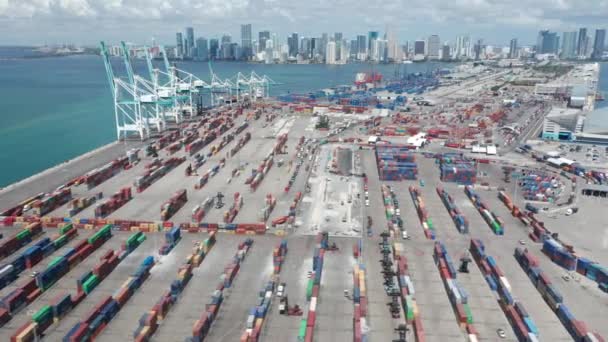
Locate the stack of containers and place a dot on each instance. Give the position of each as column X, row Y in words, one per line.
column 307, row 325
column 34, row 254
column 113, row 203
column 199, row 143
column 461, row 222
column 541, row 281
column 51, row 202
column 239, row 145
column 58, row 267
column 453, row 167
column 522, row 324
column 150, row 320
column 493, row 221
column 173, row 148
column 299, row 162
column 202, row 181
column 389, row 206
column 166, row 139
column 15, row 242
column 423, row 215
column 506, row 200
column 257, row 175
column 257, row 314
column 172, row 237
column 457, row 294
column 538, row 186
column 231, row 213
column 202, row 209
column 201, row 326
column 173, row 205
column 156, row 172
column 395, row 163
column 268, row 206
column 79, row 204
column 408, row 293
column 593, row 271
column 291, row 217
column 360, row 302
column 97, row 176
column 97, row 319
column 559, row 254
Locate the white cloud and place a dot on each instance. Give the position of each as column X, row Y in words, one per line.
column 418, row 17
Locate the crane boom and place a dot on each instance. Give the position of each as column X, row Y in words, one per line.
column 125, row 55
column 108, row 65
column 150, row 66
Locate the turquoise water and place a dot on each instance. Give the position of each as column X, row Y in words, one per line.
column 54, row 109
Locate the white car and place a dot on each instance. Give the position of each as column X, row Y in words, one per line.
column 501, row 333
column 404, row 235
column 397, row 212
column 367, row 203
column 281, row 290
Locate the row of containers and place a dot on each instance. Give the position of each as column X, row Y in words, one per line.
column 116, row 201
column 457, row 294
column 301, row 153
column 36, row 252
column 103, row 313
column 57, row 268
column 455, row 168
column 494, row 222
column 150, row 320
column 396, row 163
column 577, row 329
column 407, row 292
column 172, row 238
column 200, row 210
column 461, row 222
column 257, row 175
column 269, row 203
column 202, row 326
column 234, row 209
column 290, row 218
column 559, row 252
column 79, row 204
column 14, row 243
column 51, row 201
column 389, row 206
column 522, row 324
column 202, row 180
column 63, row 303
column 173, row 205
column 423, row 214
column 313, row 288
column 539, row 186
column 155, row 171
column 359, row 295
column 97, row 176
column 257, row 314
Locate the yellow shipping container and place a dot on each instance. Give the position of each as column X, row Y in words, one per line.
column 89, row 226
column 126, row 283
column 415, row 309
column 20, row 219
column 110, row 221
column 134, row 229
column 259, row 322
column 28, row 334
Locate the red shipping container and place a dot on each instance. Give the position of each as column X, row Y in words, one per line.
column 309, row 334
column 32, row 296
column 315, row 291
column 579, row 328
column 78, row 298
column 80, row 333
column 30, row 286
column 5, row 316
column 363, row 306
column 19, row 331
column 310, row 321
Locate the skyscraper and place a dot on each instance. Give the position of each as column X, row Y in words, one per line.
column 433, row 47
column 362, row 47
column 371, row 36
column 330, row 54
column 581, row 46
column 305, row 49
column 478, row 48
column 598, row 44
column 513, row 48
column 202, row 51
column 263, row 36
column 323, row 46
column 214, row 48
column 293, row 43
column 338, row 39
column 179, row 44
column 569, row 43
column 419, row 47
column 246, row 44
column 548, row 42
column 225, row 47
column 445, row 53
column 189, row 48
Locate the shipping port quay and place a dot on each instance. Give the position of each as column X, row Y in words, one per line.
column 315, row 218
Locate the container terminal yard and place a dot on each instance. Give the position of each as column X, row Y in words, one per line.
column 420, row 209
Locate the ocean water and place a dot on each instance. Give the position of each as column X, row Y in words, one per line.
column 55, row 109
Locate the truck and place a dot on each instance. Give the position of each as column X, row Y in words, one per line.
column 531, row 208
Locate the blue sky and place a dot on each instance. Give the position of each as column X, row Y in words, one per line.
column 88, row 21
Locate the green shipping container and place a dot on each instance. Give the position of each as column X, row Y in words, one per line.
column 23, row 234
column 409, row 306
column 60, row 241
column 309, row 288
column 430, row 223
column 66, row 228
column 90, row 284
column 467, row 311
column 43, row 313
column 302, row 330
column 141, row 239
column 55, row 261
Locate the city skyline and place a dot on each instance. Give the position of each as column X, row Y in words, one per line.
column 85, row 22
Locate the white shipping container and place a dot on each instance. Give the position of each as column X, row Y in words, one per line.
column 472, row 338
column 505, row 283
column 532, row 337
column 313, row 304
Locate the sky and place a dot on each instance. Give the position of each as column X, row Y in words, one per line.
column 85, row 22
